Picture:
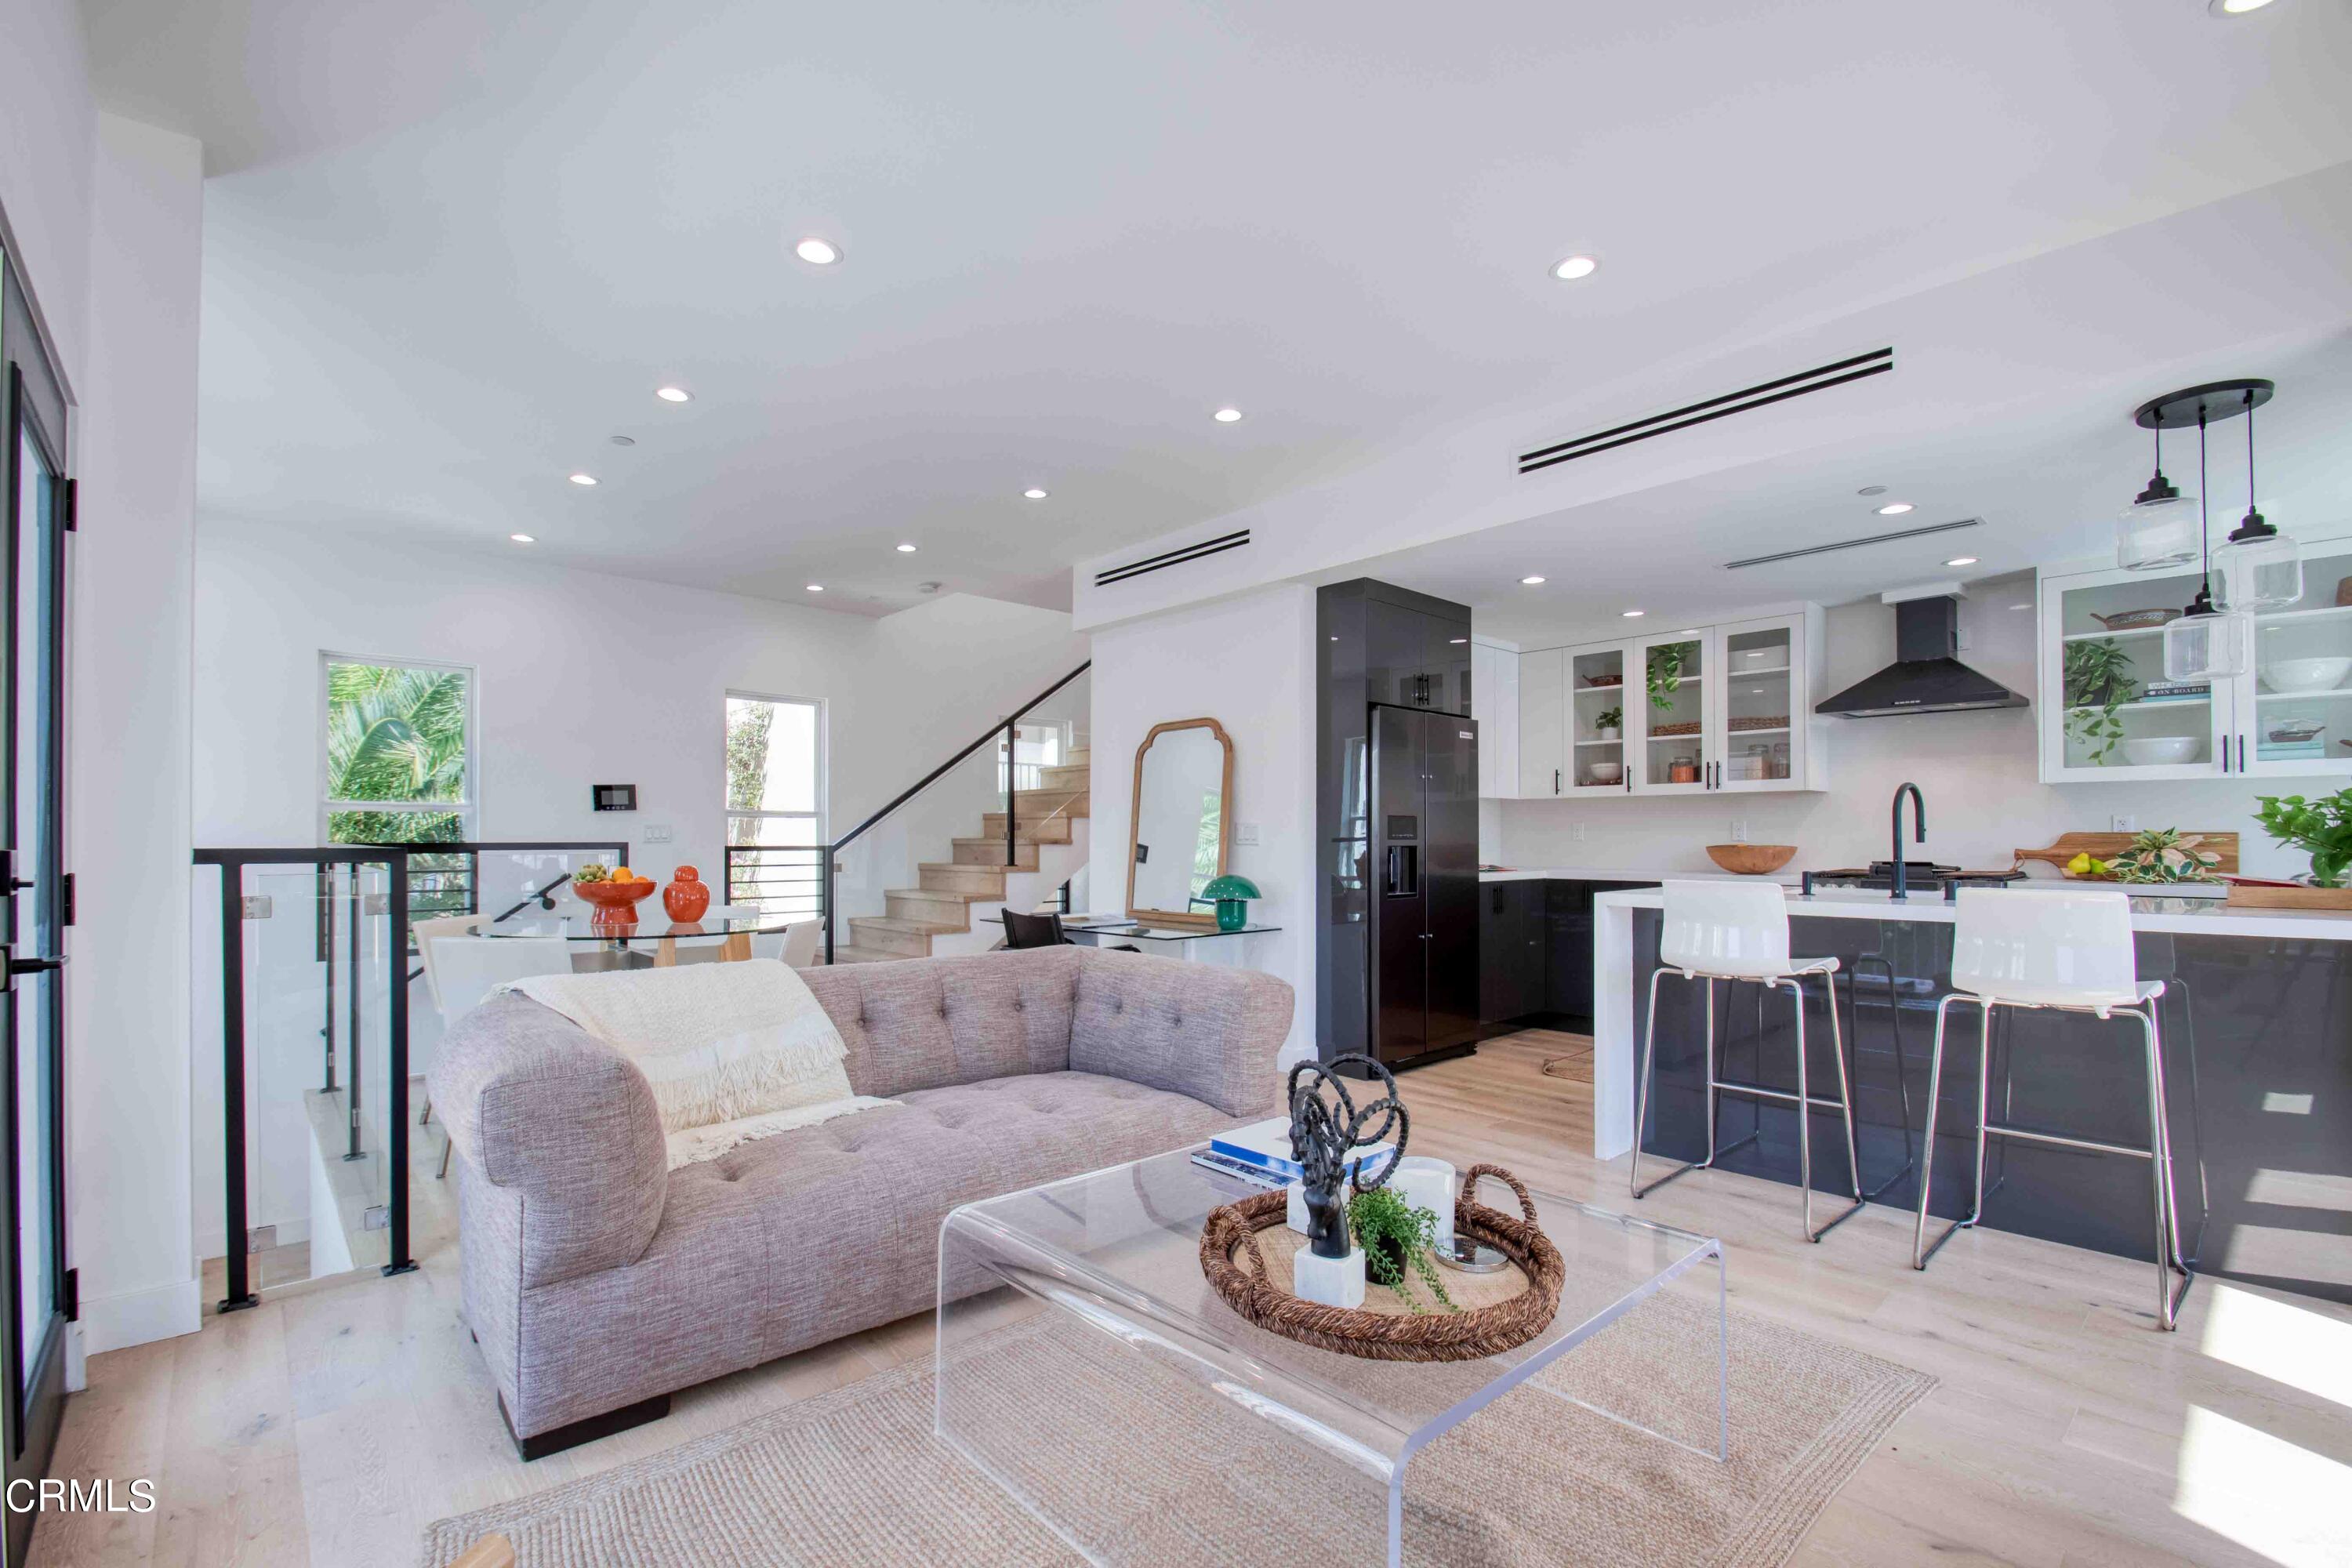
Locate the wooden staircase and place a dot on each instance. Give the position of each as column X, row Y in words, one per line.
column 943, row 913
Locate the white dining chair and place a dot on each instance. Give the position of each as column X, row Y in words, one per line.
column 795, row 944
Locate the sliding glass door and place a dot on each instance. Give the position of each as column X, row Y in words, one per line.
column 33, row 896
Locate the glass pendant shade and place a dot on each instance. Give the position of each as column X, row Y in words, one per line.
column 2213, row 646
column 2162, row 528
column 2257, row 568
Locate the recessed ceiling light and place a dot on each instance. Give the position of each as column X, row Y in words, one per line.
column 1226, row 415
column 1531, row 582
column 1632, row 615
column 523, row 538
column 673, row 394
column 1872, row 491
column 1034, row 493
column 817, row 587
column 625, row 440
column 1575, row 267
column 2234, row 7
column 1961, row 560
column 1894, row 509
column 583, row 479
column 817, row 252
column 906, row 549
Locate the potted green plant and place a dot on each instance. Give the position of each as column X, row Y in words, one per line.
column 1605, row 723
column 1665, row 673
column 2321, row 828
column 2098, row 681
column 1395, row 1237
column 2162, row 854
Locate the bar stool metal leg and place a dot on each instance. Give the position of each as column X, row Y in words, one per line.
column 2167, row 1210
column 1920, row 1250
column 1806, row 1104
column 1642, row 1084
column 2196, row 1121
column 1902, row 1067
column 1715, row 1084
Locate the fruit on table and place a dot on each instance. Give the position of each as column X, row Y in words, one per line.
column 593, row 871
column 2085, row 864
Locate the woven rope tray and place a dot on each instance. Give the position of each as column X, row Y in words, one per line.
column 1500, row 1311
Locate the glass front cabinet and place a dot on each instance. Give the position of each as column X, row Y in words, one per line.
column 1700, row 711
column 2108, row 713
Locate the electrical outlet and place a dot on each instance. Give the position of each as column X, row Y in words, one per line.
column 1740, row 830
column 1245, row 833
column 653, row 833
column 2121, row 824
column 1579, row 835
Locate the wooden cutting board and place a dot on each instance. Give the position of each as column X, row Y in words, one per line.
column 2107, row 845
column 2245, row 896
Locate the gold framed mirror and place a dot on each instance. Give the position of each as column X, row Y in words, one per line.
column 1182, row 821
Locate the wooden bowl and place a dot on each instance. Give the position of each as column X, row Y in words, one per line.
column 1751, row 859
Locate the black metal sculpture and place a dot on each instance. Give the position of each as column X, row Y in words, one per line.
column 1322, row 1136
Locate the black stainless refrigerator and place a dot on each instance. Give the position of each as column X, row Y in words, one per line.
column 1423, row 939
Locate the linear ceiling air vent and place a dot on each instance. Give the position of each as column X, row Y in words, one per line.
column 1854, row 543
column 1161, row 562
column 1877, row 362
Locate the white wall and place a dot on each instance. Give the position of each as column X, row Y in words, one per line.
column 1978, row 772
column 582, row 678
column 48, row 146
column 128, row 1067
column 1248, row 663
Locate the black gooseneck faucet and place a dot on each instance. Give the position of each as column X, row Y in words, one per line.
column 1918, row 833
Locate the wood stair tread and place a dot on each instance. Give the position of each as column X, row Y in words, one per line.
column 903, row 926
column 956, row 895
column 845, row 952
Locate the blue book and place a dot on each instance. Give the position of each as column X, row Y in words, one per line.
column 1266, row 1145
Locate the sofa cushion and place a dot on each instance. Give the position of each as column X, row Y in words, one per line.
column 852, row 1207
column 937, row 1021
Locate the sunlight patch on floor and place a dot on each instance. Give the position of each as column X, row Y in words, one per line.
column 2290, row 1346
column 2302, row 1190
column 2263, row 1492
column 2284, row 1253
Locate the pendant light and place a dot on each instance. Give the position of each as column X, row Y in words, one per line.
column 2205, row 644
column 2260, row 568
column 2160, row 527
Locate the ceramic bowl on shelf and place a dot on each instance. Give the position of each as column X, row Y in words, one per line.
column 2305, row 674
column 1751, row 859
column 2135, row 620
column 1606, row 773
column 2159, row 749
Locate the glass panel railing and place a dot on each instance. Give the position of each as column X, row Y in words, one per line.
column 1004, row 825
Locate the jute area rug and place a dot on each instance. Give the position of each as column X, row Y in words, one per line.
column 856, row 1479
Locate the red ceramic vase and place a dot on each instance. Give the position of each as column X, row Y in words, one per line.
column 686, row 898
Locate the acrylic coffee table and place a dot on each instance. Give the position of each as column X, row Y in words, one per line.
column 1082, row 1362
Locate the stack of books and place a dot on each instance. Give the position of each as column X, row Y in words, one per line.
column 1259, row 1153
column 2175, row 690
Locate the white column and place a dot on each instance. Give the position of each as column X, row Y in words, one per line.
column 127, row 800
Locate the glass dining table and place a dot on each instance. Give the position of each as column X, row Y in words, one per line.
column 727, row 933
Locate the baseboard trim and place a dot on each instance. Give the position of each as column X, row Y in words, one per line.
column 138, row 1317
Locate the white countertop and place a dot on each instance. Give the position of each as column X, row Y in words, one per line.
column 1787, row 877
column 2185, row 916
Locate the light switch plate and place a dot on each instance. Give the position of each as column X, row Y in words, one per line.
column 1245, row 833
column 654, row 832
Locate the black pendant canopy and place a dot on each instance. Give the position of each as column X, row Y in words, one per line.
column 2211, row 403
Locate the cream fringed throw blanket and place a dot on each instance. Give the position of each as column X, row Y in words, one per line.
column 734, row 1051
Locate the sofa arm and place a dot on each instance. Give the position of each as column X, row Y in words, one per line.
column 1197, row 1029
column 533, row 1103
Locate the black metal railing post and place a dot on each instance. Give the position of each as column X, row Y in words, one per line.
column 323, row 879
column 232, row 913
column 1012, row 795
column 396, row 950
column 351, row 1076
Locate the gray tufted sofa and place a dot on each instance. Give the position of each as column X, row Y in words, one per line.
column 597, row 1282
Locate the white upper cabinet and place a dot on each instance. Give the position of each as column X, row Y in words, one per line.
column 1495, row 702
column 1694, row 711
column 2107, row 712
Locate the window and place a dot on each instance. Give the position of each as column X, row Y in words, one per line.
column 775, row 802
column 399, row 752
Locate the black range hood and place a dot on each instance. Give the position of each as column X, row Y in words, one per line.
column 1924, row 678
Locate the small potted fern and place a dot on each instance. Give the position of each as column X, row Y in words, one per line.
column 1396, row 1238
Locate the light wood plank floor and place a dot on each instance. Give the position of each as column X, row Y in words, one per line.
column 328, row 1427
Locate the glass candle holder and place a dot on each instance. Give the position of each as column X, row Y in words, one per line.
column 1425, row 1183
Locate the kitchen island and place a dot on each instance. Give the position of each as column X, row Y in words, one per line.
column 2264, row 998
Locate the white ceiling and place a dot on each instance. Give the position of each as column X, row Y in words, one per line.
column 2045, row 486
column 451, row 248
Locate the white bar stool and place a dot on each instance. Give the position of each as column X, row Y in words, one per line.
column 2072, row 952
column 1739, row 930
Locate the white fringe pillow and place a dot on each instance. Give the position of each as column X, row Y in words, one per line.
column 719, row 1042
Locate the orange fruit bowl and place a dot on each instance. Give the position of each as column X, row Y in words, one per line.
column 615, row 901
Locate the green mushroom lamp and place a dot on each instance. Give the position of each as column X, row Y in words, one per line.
column 1233, row 895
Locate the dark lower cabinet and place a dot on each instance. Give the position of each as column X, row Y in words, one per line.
column 1513, row 950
